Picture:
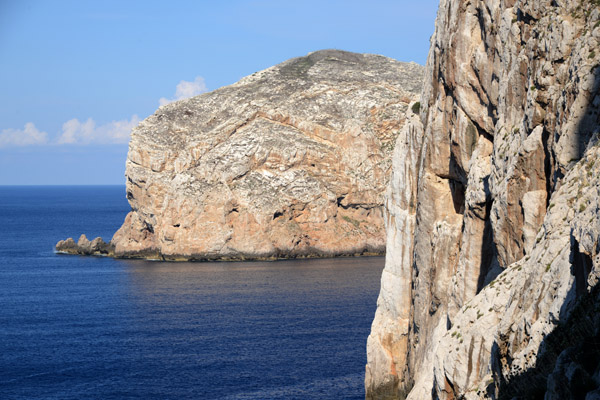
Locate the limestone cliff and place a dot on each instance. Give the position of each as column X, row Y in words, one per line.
column 489, row 288
column 290, row 161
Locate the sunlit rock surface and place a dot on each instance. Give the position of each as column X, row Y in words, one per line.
column 291, row 161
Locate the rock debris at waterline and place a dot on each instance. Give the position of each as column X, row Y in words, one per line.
column 291, row 161
column 98, row 247
column 85, row 247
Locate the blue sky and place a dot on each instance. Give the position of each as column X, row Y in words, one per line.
column 76, row 76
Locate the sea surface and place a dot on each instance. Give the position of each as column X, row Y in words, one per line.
column 76, row 327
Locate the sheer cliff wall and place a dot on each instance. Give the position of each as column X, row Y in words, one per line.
column 492, row 208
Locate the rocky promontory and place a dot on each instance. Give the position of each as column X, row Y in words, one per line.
column 291, row 161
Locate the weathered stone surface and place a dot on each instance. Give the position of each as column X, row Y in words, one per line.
column 290, row 161
column 499, row 241
column 393, row 311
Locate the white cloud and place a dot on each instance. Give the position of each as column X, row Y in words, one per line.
column 27, row 136
column 185, row 90
column 77, row 132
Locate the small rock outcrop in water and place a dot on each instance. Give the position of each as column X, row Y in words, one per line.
column 290, row 161
column 490, row 288
column 96, row 247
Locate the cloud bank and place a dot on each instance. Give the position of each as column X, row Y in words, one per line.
column 73, row 132
column 76, row 132
column 185, row 90
column 27, row 136
column 89, row 132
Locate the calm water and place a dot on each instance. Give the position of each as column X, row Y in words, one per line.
column 82, row 327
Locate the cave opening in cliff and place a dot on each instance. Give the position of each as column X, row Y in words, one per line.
column 581, row 266
column 457, row 189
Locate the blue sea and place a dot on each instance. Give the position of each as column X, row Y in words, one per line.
column 97, row 328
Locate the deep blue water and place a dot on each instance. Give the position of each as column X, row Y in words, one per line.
column 85, row 327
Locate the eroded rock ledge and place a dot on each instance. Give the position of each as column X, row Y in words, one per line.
column 291, row 161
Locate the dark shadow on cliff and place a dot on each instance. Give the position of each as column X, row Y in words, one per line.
column 568, row 361
column 587, row 130
column 567, row 365
column 588, row 127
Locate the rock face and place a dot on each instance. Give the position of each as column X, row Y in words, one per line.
column 490, row 284
column 290, row 161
